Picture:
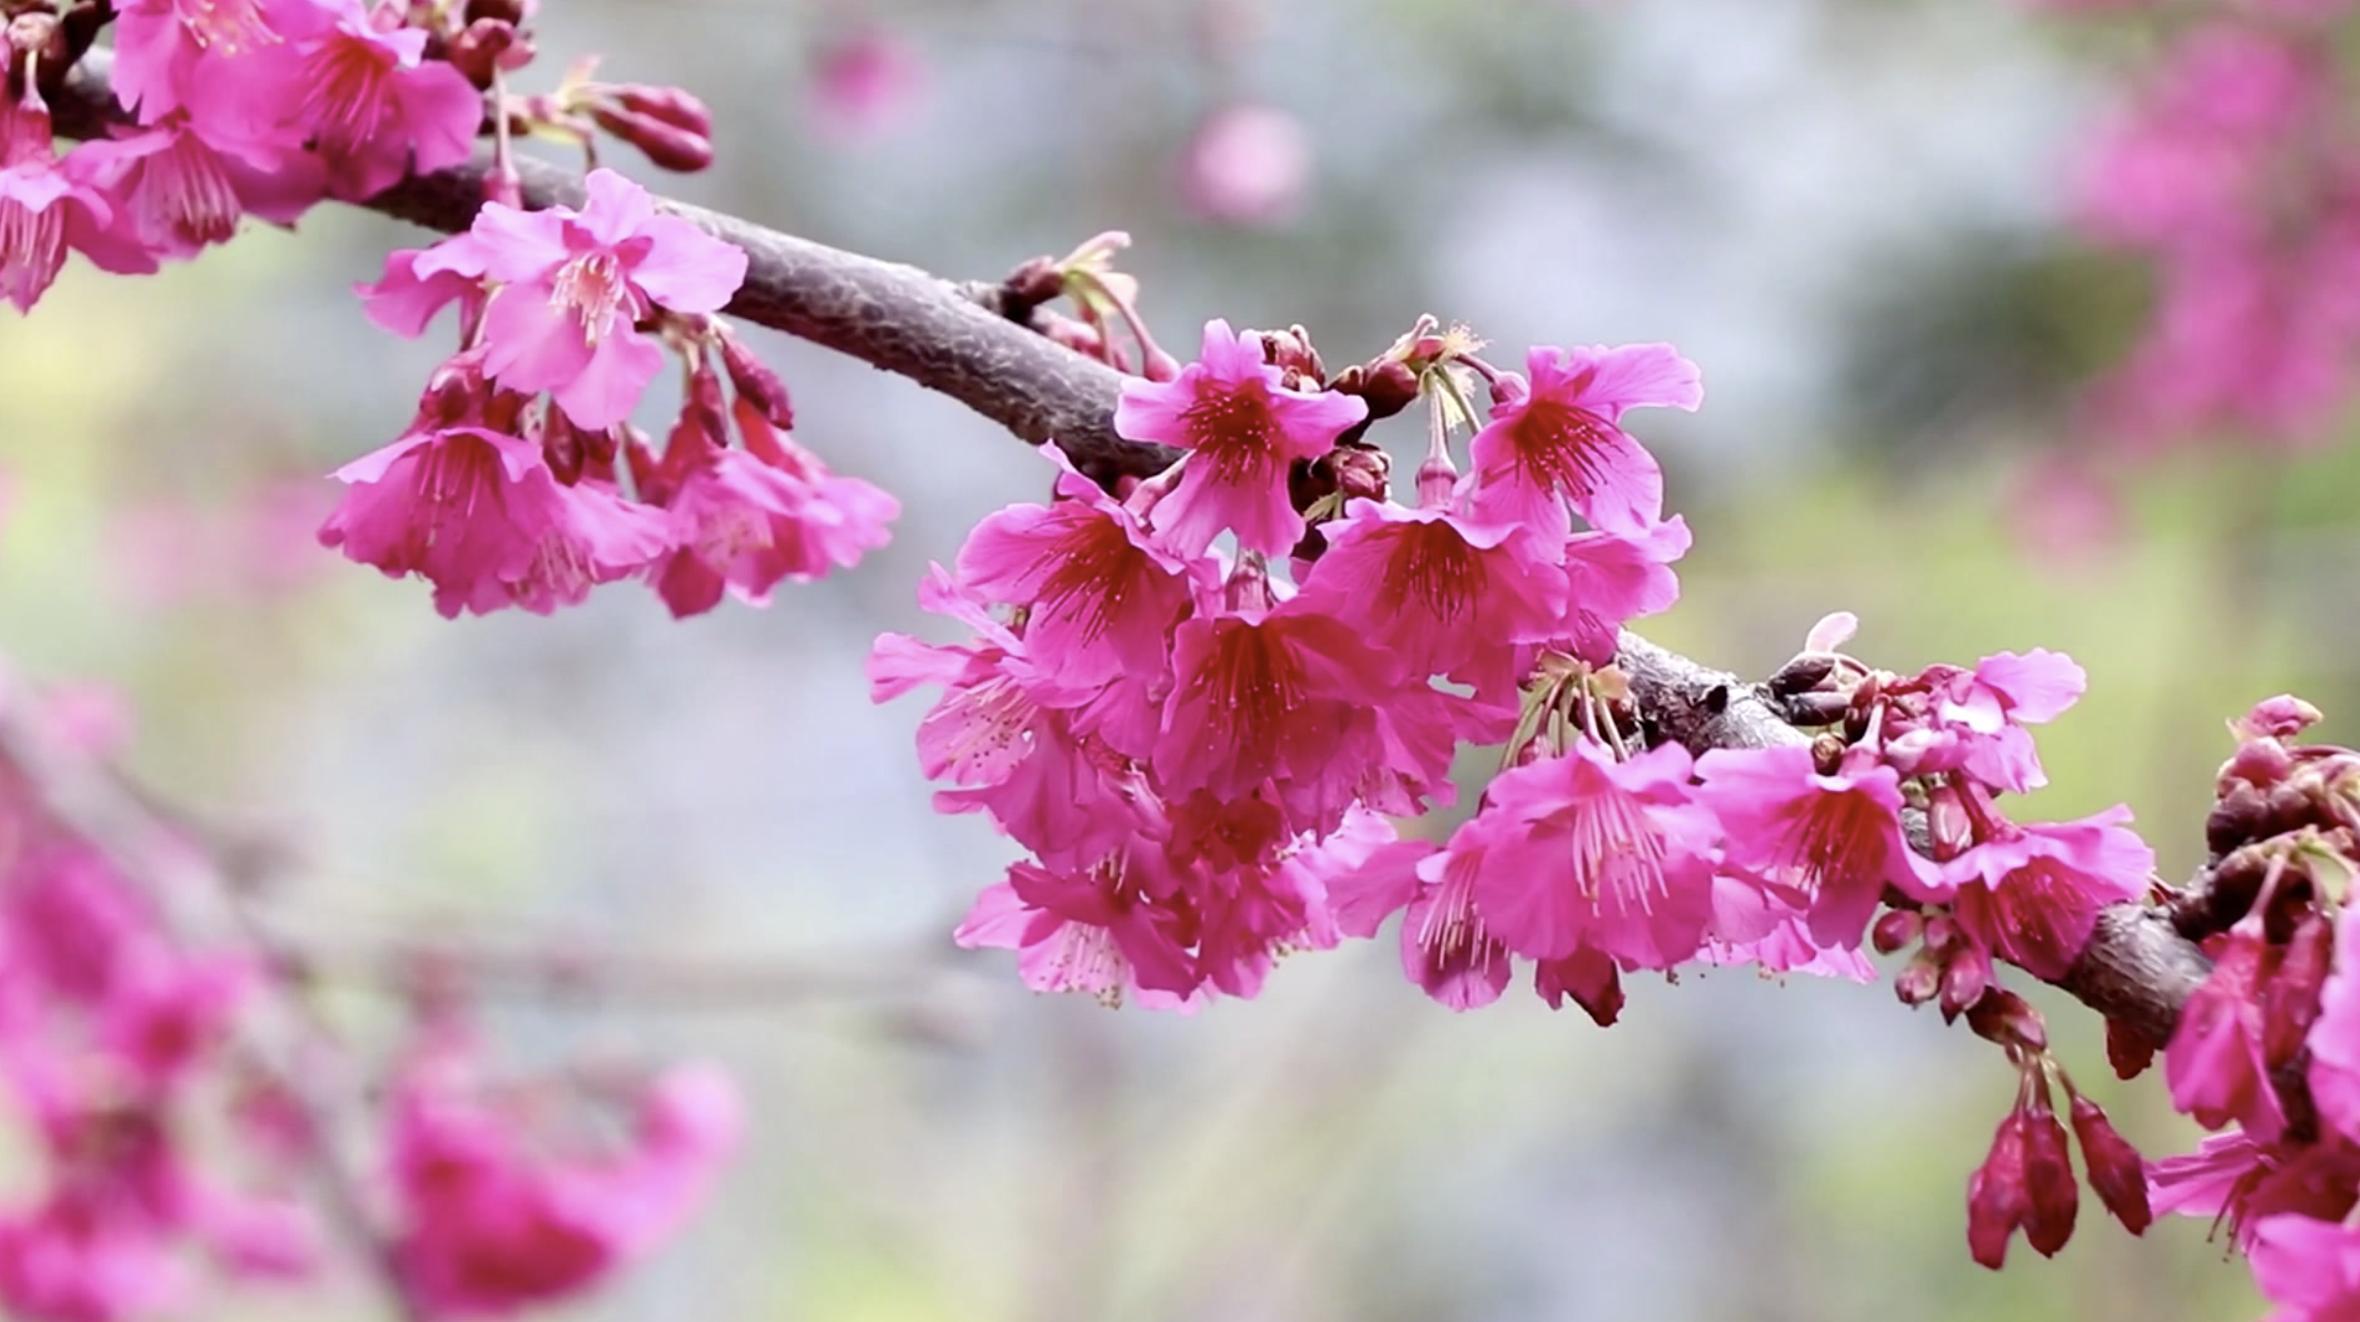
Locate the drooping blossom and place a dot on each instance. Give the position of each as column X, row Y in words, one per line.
column 1837, row 838
column 1269, row 695
column 1101, row 596
column 1243, row 428
column 1558, row 440
column 475, row 510
column 173, row 55
column 2032, row 894
column 574, row 285
column 746, row 520
column 1246, row 164
column 1100, row 933
column 48, row 206
column 2215, row 1063
column 1438, row 592
column 175, row 192
column 1584, row 851
column 1003, row 736
column 492, row 1219
column 354, row 81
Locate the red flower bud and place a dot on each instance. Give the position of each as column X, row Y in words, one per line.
column 2048, row 1181
column 665, row 105
column 1894, row 929
column 670, row 146
column 2117, row 1173
column 1997, row 1201
column 756, row 383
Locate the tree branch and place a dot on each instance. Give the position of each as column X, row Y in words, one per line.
column 2136, row 969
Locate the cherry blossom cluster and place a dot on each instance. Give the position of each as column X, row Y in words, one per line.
column 2233, row 172
column 515, row 1194
column 2268, row 1050
column 521, row 482
column 121, row 1058
column 114, row 1052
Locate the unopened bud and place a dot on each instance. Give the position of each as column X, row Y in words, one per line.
column 1802, row 674
column 1918, row 982
column 1997, row 1201
column 2241, row 816
column 2054, row 1196
column 1966, row 981
column 669, row 146
column 2117, row 1173
column 2004, row 1017
column 758, row 384
column 1895, row 928
column 488, row 46
column 665, row 105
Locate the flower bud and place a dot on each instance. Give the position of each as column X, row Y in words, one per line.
column 1387, row 387
column 2004, row 1017
column 2053, row 1193
column 669, row 146
column 2117, row 1174
column 487, row 46
column 755, row 382
column 1965, row 981
column 2241, row 816
column 1997, row 1201
column 665, row 105
column 1802, row 674
column 1917, row 983
column 1894, row 929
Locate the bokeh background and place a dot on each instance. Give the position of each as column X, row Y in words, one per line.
column 1847, row 210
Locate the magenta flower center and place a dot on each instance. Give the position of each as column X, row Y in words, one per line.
column 1096, row 573
column 1231, row 430
column 1832, row 837
column 592, row 288
column 183, row 191
column 993, row 717
column 1254, row 683
column 1434, row 568
column 348, row 92
column 1563, row 447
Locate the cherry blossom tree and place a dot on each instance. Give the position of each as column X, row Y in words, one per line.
column 1212, row 683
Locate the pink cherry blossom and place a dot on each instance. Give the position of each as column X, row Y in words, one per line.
column 2215, row 1064
column 1243, row 428
column 1004, row 737
column 576, row 282
column 1837, row 837
column 174, row 54
column 47, row 207
column 2032, row 894
column 1446, row 947
column 353, row 79
column 1559, row 439
column 1098, row 933
column 1582, row 851
column 1101, row 596
column 747, row 520
column 1266, row 695
column 175, row 193
column 1440, row 593
column 476, row 512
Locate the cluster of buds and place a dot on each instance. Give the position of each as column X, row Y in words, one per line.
column 2027, row 1182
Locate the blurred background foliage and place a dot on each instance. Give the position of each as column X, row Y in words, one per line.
column 1846, row 210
